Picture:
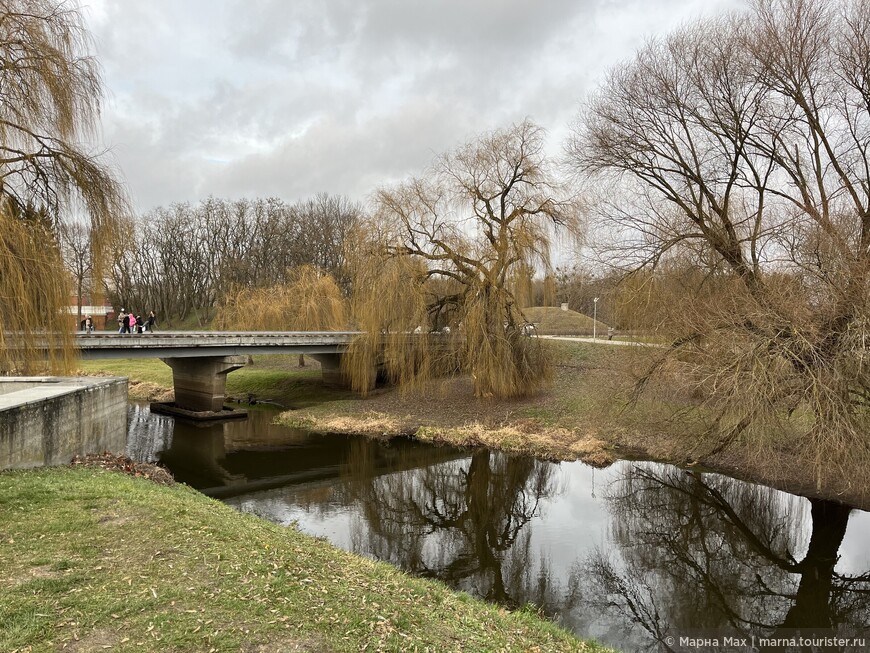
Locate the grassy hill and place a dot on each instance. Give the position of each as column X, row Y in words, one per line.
column 553, row 321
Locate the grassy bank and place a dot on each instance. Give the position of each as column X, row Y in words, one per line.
column 93, row 560
column 552, row 320
column 583, row 415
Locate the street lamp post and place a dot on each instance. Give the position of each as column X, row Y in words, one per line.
column 595, row 318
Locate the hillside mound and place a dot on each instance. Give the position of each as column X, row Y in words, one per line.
column 553, row 321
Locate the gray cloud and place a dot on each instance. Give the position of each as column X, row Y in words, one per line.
column 268, row 97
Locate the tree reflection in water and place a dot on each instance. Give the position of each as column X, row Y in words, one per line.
column 463, row 522
column 686, row 551
column 705, row 552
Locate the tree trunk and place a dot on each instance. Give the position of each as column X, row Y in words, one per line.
column 812, row 607
column 79, row 304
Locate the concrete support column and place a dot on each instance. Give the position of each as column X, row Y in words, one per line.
column 331, row 372
column 200, row 383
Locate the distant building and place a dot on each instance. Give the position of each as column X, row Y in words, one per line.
column 102, row 314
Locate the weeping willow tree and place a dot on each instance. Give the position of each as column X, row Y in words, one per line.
column 31, row 292
column 310, row 300
column 392, row 299
column 50, row 93
column 441, row 285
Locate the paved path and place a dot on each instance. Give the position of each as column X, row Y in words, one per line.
column 603, row 341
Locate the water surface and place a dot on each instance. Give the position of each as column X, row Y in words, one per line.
column 632, row 555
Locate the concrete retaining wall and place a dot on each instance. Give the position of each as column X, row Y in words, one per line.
column 48, row 420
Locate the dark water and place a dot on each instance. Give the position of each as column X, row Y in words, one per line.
column 633, row 555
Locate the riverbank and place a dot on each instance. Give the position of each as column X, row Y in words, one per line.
column 95, row 560
column 590, row 413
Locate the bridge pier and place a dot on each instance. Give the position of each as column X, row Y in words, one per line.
column 200, row 383
column 201, row 361
column 333, row 375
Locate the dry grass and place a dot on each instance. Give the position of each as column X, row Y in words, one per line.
column 370, row 423
column 525, row 436
column 145, row 391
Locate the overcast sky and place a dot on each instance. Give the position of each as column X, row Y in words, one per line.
column 288, row 98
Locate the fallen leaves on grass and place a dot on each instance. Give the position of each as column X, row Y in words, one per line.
column 118, row 463
column 147, row 391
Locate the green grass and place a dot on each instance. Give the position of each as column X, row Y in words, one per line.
column 553, row 321
column 148, row 370
column 277, row 379
column 274, row 378
column 93, row 560
column 197, row 320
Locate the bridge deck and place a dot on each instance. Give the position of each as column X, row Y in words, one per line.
column 192, row 344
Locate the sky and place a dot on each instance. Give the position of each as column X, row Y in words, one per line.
column 289, row 98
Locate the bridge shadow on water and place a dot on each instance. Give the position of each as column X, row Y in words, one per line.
column 227, row 458
column 636, row 555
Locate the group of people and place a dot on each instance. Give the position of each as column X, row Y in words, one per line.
column 132, row 323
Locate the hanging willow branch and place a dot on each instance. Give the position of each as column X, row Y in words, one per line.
column 452, row 252
column 34, row 335
column 50, row 94
column 309, row 301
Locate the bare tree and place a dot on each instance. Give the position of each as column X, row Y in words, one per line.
column 740, row 147
column 450, row 249
column 182, row 259
column 75, row 248
column 324, row 225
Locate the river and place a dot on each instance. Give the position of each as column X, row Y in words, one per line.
column 637, row 555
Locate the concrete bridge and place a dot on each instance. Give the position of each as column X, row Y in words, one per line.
column 200, row 361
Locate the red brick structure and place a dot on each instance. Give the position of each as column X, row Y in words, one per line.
column 103, row 315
